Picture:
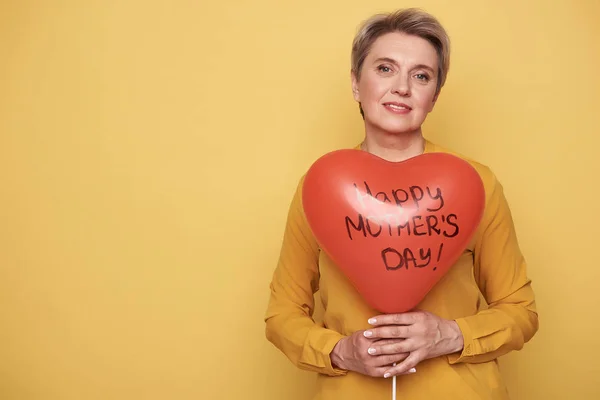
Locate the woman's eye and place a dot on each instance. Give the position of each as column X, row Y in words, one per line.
column 383, row 68
column 422, row 77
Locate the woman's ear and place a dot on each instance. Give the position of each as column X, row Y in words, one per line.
column 435, row 98
column 355, row 92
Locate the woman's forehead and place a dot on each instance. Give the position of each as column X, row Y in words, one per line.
column 403, row 48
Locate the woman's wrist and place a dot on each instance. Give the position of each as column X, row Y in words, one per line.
column 337, row 359
column 455, row 337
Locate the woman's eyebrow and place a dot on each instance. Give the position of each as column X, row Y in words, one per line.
column 423, row 66
column 392, row 61
column 387, row 59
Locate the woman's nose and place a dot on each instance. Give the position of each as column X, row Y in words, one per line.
column 402, row 86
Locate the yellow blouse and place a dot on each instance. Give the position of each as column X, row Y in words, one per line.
column 487, row 292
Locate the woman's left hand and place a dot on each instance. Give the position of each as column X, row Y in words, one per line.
column 423, row 335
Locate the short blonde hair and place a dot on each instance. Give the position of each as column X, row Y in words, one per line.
column 411, row 21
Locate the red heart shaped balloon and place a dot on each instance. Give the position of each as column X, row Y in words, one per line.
column 394, row 228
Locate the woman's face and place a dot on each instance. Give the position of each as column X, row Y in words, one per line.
column 397, row 86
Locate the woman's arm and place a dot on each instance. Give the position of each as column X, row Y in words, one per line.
column 500, row 270
column 289, row 323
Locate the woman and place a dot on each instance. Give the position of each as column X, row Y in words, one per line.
column 483, row 308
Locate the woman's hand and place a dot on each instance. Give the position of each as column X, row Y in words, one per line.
column 420, row 334
column 352, row 353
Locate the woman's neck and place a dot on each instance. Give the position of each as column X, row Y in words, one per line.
column 394, row 148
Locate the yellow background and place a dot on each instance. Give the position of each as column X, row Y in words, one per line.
column 149, row 150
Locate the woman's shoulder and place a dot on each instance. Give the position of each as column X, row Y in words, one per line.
column 491, row 184
column 485, row 172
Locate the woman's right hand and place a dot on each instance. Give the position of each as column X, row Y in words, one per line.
column 352, row 353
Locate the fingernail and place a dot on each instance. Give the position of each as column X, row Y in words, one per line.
column 412, row 370
column 372, row 321
column 387, row 375
column 368, row 333
column 372, row 351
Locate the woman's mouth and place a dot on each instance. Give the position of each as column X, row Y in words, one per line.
column 397, row 108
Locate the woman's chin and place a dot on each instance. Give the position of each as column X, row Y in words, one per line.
column 397, row 130
column 393, row 126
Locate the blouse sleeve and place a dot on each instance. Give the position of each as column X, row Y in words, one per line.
column 500, row 271
column 289, row 323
